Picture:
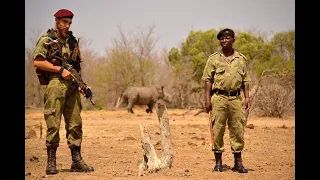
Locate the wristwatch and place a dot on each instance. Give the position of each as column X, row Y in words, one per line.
column 60, row 70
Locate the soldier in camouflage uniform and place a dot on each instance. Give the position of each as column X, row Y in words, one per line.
column 225, row 75
column 58, row 81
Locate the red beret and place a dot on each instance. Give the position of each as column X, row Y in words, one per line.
column 63, row 13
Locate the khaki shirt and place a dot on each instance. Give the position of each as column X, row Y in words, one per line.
column 224, row 75
column 43, row 50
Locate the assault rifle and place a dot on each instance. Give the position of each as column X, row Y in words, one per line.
column 75, row 77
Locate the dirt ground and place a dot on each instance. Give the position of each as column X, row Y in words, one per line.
column 111, row 144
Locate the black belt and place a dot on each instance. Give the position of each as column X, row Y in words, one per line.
column 226, row 93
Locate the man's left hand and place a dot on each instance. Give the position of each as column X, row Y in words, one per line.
column 81, row 91
column 247, row 103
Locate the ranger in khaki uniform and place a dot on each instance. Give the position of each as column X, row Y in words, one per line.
column 58, row 81
column 225, row 74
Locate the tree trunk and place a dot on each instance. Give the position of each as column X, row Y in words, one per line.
column 39, row 99
column 151, row 162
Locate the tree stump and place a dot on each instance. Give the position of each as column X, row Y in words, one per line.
column 151, row 162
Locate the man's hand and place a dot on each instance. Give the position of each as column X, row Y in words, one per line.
column 207, row 96
column 81, row 91
column 66, row 74
column 247, row 103
column 208, row 105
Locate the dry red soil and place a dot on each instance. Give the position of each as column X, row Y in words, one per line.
column 112, row 144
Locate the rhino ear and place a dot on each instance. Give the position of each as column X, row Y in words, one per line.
column 162, row 88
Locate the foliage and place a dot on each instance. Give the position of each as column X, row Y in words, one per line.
column 282, row 56
column 134, row 61
column 195, row 51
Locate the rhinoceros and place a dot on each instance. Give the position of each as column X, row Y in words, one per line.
column 146, row 95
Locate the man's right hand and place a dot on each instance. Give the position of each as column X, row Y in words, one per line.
column 66, row 74
column 208, row 106
column 207, row 96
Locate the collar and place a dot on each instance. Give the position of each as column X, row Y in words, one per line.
column 235, row 53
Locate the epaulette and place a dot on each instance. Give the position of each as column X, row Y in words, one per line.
column 213, row 54
column 245, row 58
column 42, row 36
column 49, row 33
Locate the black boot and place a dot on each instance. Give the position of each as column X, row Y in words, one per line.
column 51, row 164
column 78, row 165
column 218, row 166
column 238, row 166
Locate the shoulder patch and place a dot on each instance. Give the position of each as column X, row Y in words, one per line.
column 213, row 54
column 43, row 38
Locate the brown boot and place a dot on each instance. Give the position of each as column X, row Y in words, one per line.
column 218, row 166
column 238, row 166
column 78, row 165
column 51, row 163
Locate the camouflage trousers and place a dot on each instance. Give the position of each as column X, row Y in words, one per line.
column 56, row 105
column 227, row 109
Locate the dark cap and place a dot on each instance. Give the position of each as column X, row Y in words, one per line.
column 225, row 32
column 63, row 13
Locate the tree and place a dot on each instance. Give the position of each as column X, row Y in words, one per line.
column 194, row 51
column 276, row 97
column 130, row 61
column 280, row 58
column 263, row 57
column 33, row 89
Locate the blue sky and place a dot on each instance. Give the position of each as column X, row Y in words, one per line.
column 98, row 20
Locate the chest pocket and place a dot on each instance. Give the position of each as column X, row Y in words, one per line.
column 219, row 77
column 239, row 74
column 219, row 73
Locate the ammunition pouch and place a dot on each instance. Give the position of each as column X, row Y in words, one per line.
column 43, row 77
column 75, row 52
